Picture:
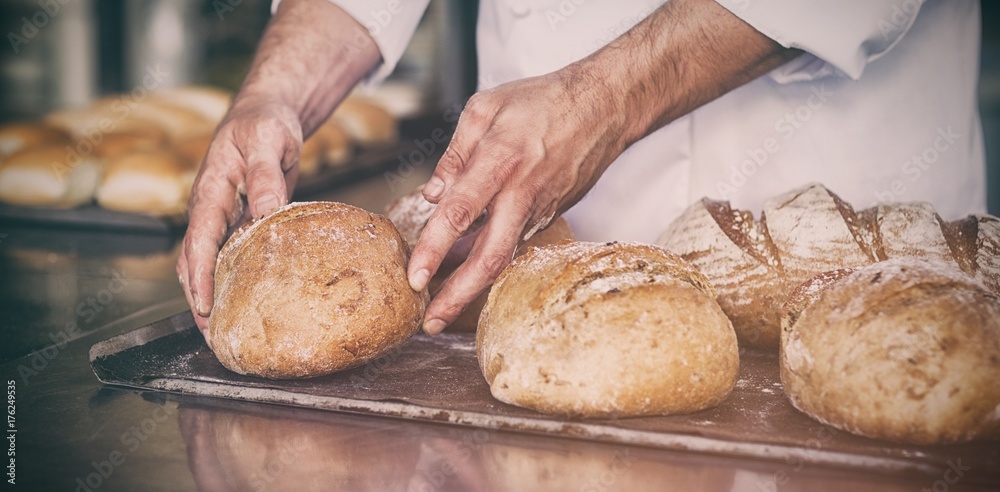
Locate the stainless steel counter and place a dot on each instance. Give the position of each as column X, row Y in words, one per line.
column 62, row 291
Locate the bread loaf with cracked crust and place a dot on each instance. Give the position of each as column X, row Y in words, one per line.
column 311, row 289
column 755, row 264
column 905, row 350
column 606, row 329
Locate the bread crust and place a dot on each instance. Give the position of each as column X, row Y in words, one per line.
column 311, row 289
column 549, row 339
column 905, row 350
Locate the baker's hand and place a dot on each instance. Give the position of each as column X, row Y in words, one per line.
column 253, row 160
column 524, row 152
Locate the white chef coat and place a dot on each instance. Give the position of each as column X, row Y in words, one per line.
column 881, row 107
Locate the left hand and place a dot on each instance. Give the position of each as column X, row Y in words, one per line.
column 524, row 152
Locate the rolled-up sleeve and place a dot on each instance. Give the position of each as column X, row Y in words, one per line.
column 840, row 35
column 391, row 24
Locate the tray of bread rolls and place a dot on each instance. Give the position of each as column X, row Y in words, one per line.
column 128, row 163
column 883, row 357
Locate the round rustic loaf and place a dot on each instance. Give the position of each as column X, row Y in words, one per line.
column 311, row 289
column 906, row 350
column 606, row 329
column 410, row 214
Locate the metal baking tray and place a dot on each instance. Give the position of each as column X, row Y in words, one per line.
column 438, row 379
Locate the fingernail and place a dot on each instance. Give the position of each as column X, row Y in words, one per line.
column 434, row 326
column 419, row 280
column 434, row 187
column 199, row 305
column 266, row 204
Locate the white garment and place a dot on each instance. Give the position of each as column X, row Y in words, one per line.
column 881, row 107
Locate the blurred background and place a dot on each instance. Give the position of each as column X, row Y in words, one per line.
column 87, row 48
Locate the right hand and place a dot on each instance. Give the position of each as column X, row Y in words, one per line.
column 253, row 160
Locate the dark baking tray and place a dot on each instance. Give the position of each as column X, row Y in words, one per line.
column 438, row 379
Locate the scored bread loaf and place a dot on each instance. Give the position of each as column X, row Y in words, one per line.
column 410, row 214
column 311, row 289
column 905, row 349
column 49, row 176
column 755, row 264
column 606, row 329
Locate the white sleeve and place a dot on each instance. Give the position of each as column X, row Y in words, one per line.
column 390, row 23
column 837, row 35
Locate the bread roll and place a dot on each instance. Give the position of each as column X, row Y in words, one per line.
column 20, row 136
column 211, row 103
column 311, row 289
column 410, row 214
column 755, row 265
column 152, row 182
column 905, row 350
column 48, row 176
column 606, row 329
column 335, row 143
column 115, row 145
column 178, row 122
column 101, row 120
column 368, row 123
column 194, row 149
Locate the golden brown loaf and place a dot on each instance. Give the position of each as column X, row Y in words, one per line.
column 410, row 214
column 20, row 136
column 155, row 182
column 337, row 148
column 606, row 329
column 311, row 289
column 367, row 122
column 210, row 102
column 115, row 145
column 48, row 176
column 905, row 350
column 755, row 264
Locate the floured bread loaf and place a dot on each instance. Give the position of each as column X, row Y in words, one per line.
column 410, row 214
column 606, row 329
column 48, row 176
column 755, row 264
column 311, row 289
column 906, row 350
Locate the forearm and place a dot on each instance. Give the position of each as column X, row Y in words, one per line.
column 311, row 56
column 682, row 56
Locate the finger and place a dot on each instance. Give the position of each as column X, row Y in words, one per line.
column 265, row 154
column 492, row 252
column 472, row 125
column 182, row 275
column 215, row 205
column 453, row 216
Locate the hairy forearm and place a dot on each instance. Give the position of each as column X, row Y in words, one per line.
column 684, row 55
column 310, row 57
